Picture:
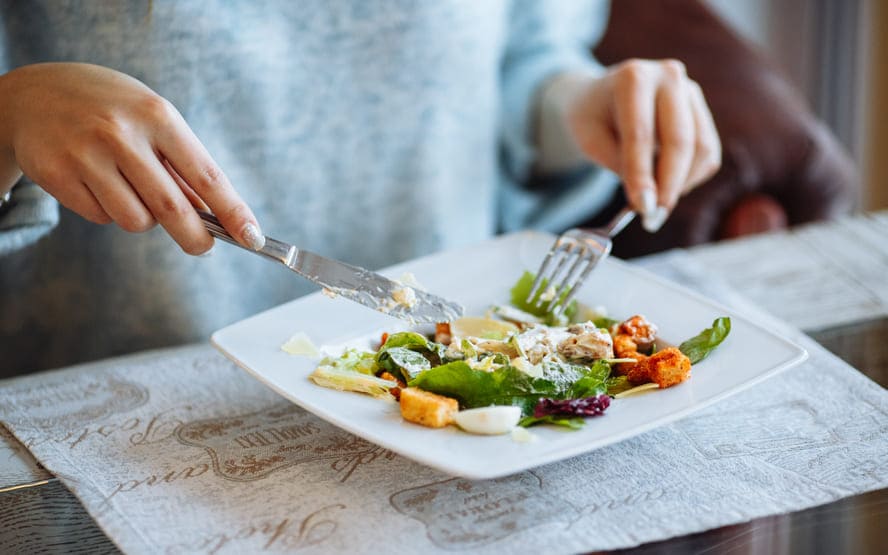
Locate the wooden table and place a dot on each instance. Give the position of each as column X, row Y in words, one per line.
column 41, row 516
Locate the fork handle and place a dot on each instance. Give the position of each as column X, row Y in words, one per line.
column 273, row 249
column 623, row 218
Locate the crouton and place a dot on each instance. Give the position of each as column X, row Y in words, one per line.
column 642, row 332
column 668, row 367
column 428, row 409
column 624, row 346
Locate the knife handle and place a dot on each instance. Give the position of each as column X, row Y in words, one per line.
column 273, row 249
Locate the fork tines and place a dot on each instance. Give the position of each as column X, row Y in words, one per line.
column 572, row 257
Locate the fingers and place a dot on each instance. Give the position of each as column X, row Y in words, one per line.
column 635, row 93
column 164, row 199
column 200, row 174
column 707, row 152
column 78, row 198
column 63, row 184
column 116, row 196
column 668, row 142
column 192, row 197
column 675, row 126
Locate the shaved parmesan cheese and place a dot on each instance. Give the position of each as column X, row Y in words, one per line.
column 300, row 345
column 523, row 435
column 405, row 296
column 635, row 390
column 533, row 370
column 408, row 279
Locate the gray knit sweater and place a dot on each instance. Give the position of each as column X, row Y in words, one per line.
column 367, row 130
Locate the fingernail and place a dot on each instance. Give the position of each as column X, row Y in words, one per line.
column 648, row 202
column 253, row 237
column 655, row 221
column 208, row 253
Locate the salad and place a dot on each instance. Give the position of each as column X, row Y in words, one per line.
column 518, row 366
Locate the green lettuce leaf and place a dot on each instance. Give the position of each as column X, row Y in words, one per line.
column 510, row 386
column 698, row 347
column 604, row 322
column 353, row 360
column 406, row 354
column 519, row 295
column 571, row 422
column 401, row 360
column 618, row 384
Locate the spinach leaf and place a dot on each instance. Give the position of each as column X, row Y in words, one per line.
column 696, row 348
column 519, row 295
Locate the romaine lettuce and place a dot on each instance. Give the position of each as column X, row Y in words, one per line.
column 510, row 386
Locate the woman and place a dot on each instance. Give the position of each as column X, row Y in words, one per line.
column 367, row 131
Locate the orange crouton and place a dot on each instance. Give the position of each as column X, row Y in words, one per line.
column 668, row 367
column 624, row 346
column 637, row 372
column 642, row 332
column 428, row 409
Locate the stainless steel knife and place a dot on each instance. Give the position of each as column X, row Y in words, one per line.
column 351, row 282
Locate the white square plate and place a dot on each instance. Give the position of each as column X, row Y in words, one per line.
column 477, row 277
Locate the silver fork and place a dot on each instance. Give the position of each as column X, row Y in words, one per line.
column 573, row 255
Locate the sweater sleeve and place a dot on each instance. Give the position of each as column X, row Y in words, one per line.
column 30, row 214
column 544, row 40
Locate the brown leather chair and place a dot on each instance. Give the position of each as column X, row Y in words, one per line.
column 780, row 167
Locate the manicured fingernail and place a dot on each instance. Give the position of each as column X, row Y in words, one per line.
column 655, row 221
column 253, row 237
column 648, row 202
column 208, row 252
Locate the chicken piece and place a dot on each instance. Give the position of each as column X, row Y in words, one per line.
column 668, row 367
column 642, row 332
column 427, row 409
column 538, row 342
column 587, row 343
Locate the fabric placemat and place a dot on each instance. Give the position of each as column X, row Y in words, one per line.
column 17, row 466
column 179, row 451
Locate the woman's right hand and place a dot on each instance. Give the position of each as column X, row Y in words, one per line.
column 111, row 149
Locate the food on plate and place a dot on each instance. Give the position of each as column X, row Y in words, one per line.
column 518, row 366
column 493, row 420
column 428, row 409
column 300, row 344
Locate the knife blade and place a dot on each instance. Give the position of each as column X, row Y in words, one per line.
column 354, row 283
